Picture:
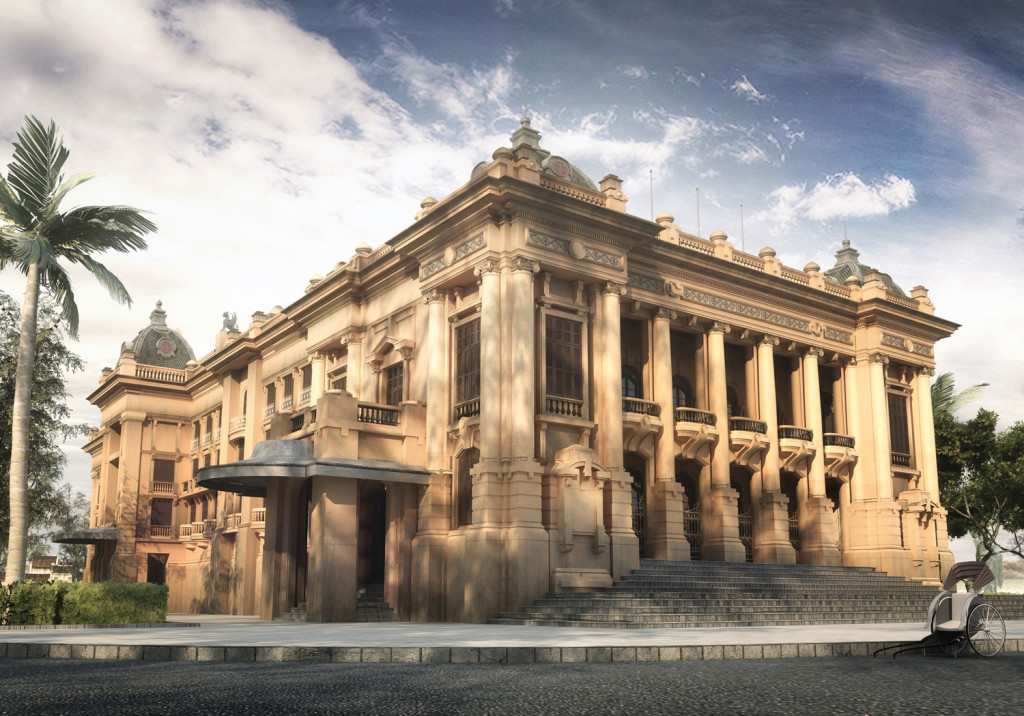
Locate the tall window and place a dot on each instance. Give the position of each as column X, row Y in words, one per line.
column 160, row 512
column 682, row 392
column 899, row 426
column 393, row 378
column 307, row 376
column 464, row 488
column 467, row 361
column 271, row 395
column 163, row 471
column 564, row 357
column 288, row 387
column 632, row 385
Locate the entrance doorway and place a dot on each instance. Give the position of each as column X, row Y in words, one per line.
column 740, row 481
column 372, row 532
column 636, row 466
column 156, row 568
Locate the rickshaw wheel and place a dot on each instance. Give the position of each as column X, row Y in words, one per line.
column 953, row 647
column 986, row 630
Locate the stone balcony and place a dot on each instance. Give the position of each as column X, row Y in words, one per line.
column 796, row 449
column 840, row 455
column 748, row 441
column 641, row 422
column 696, row 434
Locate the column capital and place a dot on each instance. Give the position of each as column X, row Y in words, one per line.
column 521, row 263
column 666, row 314
column 719, row 327
column 434, row 295
column 316, row 356
column 878, row 358
column 850, row 362
column 768, row 340
column 814, row 352
column 925, row 370
column 613, row 288
column 487, row 266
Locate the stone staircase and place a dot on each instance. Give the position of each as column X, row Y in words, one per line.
column 370, row 607
column 665, row 594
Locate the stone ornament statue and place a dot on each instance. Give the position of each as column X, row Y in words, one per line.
column 230, row 321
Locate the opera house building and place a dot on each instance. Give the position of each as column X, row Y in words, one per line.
column 526, row 391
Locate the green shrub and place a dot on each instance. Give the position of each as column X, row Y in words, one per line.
column 34, row 602
column 114, row 603
column 5, row 594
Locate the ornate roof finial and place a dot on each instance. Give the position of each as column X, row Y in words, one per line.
column 159, row 316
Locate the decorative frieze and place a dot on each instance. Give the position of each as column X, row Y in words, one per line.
column 921, row 349
column 468, row 247
column 576, row 248
column 833, row 334
column 646, row 282
column 451, row 255
column 894, row 341
column 743, row 309
column 432, row 267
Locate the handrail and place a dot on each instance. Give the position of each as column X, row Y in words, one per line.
column 749, row 425
column 792, row 432
column 837, row 440
column 695, row 415
column 641, row 407
column 377, row 414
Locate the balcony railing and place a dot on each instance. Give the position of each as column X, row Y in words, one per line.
column 467, row 408
column 195, row 444
column 163, row 488
column 304, row 395
column 259, row 515
column 791, row 432
column 286, row 403
column 377, row 414
column 901, row 459
column 161, row 531
column 209, row 525
column 237, row 423
column 794, row 532
column 691, row 529
column 641, row 407
column 198, row 528
column 234, row 520
column 563, row 406
column 207, row 437
column 269, row 411
column 184, row 531
column 837, row 440
column 694, row 415
column 749, row 425
column 216, row 436
column 746, row 528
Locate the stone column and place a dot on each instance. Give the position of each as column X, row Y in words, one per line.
column 319, row 377
column 890, row 555
column 666, row 539
column 331, row 581
column 771, row 539
column 353, row 340
column 434, row 513
column 522, row 400
column 123, row 564
column 720, row 516
column 928, row 465
column 858, row 480
column 278, row 582
column 817, row 529
column 490, row 361
column 624, row 546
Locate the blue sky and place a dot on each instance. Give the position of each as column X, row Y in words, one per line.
column 269, row 138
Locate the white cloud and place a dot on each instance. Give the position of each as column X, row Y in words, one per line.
column 505, row 8
column 836, row 196
column 746, row 89
column 635, row 72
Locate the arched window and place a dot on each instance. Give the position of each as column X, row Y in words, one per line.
column 682, row 392
column 464, row 487
column 632, row 386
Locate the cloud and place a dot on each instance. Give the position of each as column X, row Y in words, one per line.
column 745, row 88
column 505, row 8
column 635, row 72
column 836, row 196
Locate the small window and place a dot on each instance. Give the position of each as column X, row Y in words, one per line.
column 393, row 379
column 899, row 426
column 163, row 470
column 271, row 394
column 160, row 512
column 288, row 386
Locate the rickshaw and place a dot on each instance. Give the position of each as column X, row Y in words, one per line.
column 956, row 619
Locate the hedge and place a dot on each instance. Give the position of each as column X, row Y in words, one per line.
column 26, row 603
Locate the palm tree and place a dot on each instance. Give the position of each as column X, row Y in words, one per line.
column 34, row 236
column 945, row 399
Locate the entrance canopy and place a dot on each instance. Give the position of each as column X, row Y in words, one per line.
column 93, row 535
column 294, row 459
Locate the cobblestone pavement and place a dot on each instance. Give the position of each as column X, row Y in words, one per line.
column 852, row 685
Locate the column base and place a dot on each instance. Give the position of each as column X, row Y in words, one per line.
column 720, row 525
column 771, row 543
column 428, row 577
column 817, row 534
column 665, row 539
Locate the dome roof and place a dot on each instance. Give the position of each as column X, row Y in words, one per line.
column 550, row 164
column 848, row 264
column 158, row 345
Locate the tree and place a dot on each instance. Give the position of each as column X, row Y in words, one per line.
column 49, row 501
column 34, row 236
column 945, row 399
column 981, row 481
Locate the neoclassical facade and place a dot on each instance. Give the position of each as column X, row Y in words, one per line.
column 525, row 391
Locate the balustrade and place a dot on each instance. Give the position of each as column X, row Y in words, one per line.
column 749, row 425
column 259, row 515
column 695, row 415
column 901, row 459
column 161, row 531
column 467, row 409
column 377, row 414
column 641, row 407
column 184, row 530
column 163, row 488
column 237, row 423
column 563, row 406
column 791, row 432
column 304, row 395
column 837, row 440
column 286, row 403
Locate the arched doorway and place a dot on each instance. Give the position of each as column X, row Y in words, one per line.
column 739, row 479
column 833, row 490
column 789, row 483
column 372, row 533
column 636, row 466
column 688, row 477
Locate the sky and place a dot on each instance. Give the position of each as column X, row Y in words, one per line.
column 268, row 139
